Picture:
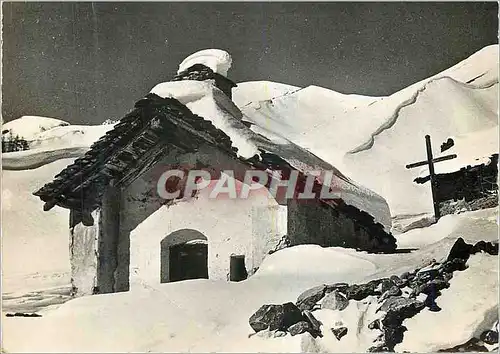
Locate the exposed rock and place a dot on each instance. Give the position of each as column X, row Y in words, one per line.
column 399, row 282
column 342, row 287
column 488, row 247
column 278, row 334
column 379, row 349
column 359, row 292
column 489, row 337
column 398, row 309
column 315, row 329
column 339, row 332
column 275, row 317
column 400, row 298
column 386, row 284
column 426, row 275
column 374, row 325
column 310, row 297
column 454, row 264
column 406, row 275
column 447, row 276
column 299, row 328
column 335, row 301
column 432, row 287
column 393, row 291
column 400, row 304
column 472, row 345
column 393, row 335
column 406, row 291
column 460, row 250
column 21, row 314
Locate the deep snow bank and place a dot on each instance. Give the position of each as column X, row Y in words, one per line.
column 371, row 139
column 196, row 315
column 29, row 126
column 463, row 316
column 34, row 158
column 444, row 109
column 203, row 315
column 35, row 244
column 254, row 91
column 60, row 142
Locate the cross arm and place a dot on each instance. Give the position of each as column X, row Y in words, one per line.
column 437, row 159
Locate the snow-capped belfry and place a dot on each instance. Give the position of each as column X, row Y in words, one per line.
column 201, row 72
column 216, row 59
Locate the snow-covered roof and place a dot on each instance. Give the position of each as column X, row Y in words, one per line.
column 131, row 145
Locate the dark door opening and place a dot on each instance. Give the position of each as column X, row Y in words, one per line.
column 188, row 261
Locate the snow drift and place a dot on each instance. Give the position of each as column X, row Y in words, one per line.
column 204, row 315
column 28, row 127
column 213, row 316
column 52, row 144
column 371, row 139
column 204, row 99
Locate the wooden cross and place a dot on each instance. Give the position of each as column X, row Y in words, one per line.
column 431, row 161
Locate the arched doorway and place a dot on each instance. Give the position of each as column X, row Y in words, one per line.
column 184, row 255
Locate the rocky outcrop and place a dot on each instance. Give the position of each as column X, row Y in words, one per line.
column 487, row 341
column 286, row 317
column 22, row 314
column 275, row 317
column 397, row 298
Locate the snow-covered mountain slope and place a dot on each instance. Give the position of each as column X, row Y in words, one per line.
column 444, row 109
column 205, row 315
column 29, row 126
column 371, row 139
column 471, row 149
column 35, row 249
column 69, row 136
column 253, row 91
column 52, row 144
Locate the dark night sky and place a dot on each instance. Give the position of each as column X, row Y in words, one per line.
column 87, row 62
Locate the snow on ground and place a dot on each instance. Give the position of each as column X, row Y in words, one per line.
column 52, row 144
column 35, row 244
column 446, row 108
column 355, row 317
column 213, row 315
column 29, row 126
column 206, row 315
column 34, row 158
column 471, row 149
column 209, row 315
column 469, row 307
column 254, row 91
column 372, row 139
column 69, row 136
